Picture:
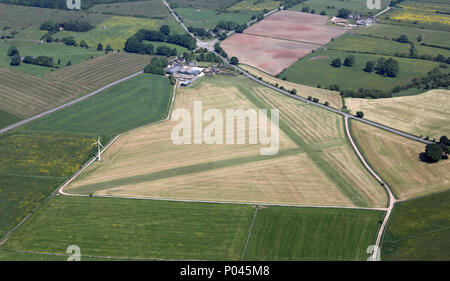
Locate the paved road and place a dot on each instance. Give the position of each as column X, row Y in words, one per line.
column 23, row 122
column 334, row 110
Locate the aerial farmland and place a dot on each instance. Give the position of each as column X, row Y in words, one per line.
column 224, row 133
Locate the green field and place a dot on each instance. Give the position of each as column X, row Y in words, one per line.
column 255, row 6
column 148, row 9
column 353, row 5
column 430, row 37
column 419, row 230
column 206, row 4
column 282, row 233
column 180, row 50
column 6, row 255
column 136, row 228
column 320, row 72
column 56, row 51
column 117, row 29
column 366, row 44
column 208, row 19
column 133, row 103
column 32, row 166
column 7, row 119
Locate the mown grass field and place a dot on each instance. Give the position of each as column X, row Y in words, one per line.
column 130, row 104
column 381, row 46
column 353, row 5
column 25, row 95
column 208, row 19
column 6, row 255
column 422, row 14
column 32, row 166
column 18, row 17
column 397, row 160
column 422, row 115
column 148, row 229
column 237, row 172
column 389, row 31
column 101, row 71
column 332, row 97
column 148, row 9
column 117, row 29
column 419, row 230
column 56, row 51
column 318, row 71
column 7, row 119
column 255, row 6
column 312, row 234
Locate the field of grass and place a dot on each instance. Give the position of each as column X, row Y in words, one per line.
column 208, row 19
column 148, row 9
column 323, row 95
column 56, row 51
column 205, row 4
column 419, row 230
column 422, row 115
column 365, row 44
column 396, row 159
column 353, row 5
column 312, row 234
column 130, row 104
column 255, row 6
column 6, row 255
column 18, row 17
column 7, row 119
column 96, row 73
column 180, row 50
column 237, row 172
column 421, row 14
column 148, row 229
column 318, row 71
column 25, row 95
column 117, row 29
column 389, row 31
column 32, row 166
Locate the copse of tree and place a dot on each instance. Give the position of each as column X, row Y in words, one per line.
column 199, row 31
column 69, row 41
column 166, row 51
column 49, row 26
column 165, row 29
column 15, row 60
column 227, row 25
column 156, row 66
column 336, row 62
column 370, row 66
column 305, row 9
column 387, row 67
column 240, row 28
column 402, row 39
column 77, row 26
column 344, row 13
column 365, row 93
column 13, row 51
column 222, row 36
column 349, row 61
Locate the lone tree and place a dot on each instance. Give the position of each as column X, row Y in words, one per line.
column 108, row 48
column 294, row 91
column 13, row 51
column 99, row 46
column 360, row 114
column 336, row 62
column 234, row 61
column 349, row 61
column 433, row 152
column 310, row 98
column 370, row 66
column 15, row 60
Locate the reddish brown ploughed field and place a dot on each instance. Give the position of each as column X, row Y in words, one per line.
column 280, row 40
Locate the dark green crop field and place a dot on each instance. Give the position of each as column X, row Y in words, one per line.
column 282, row 233
column 419, row 230
column 136, row 228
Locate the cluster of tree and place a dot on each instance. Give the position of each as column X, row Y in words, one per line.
column 202, row 55
column 134, row 44
column 383, row 67
column 227, row 25
column 240, row 28
column 199, row 31
column 69, row 41
column 402, row 39
column 344, row 13
column 14, row 55
column 220, row 50
column 437, row 151
column 77, row 26
column 166, row 51
column 349, row 61
column 157, row 66
column 435, row 79
column 41, row 60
